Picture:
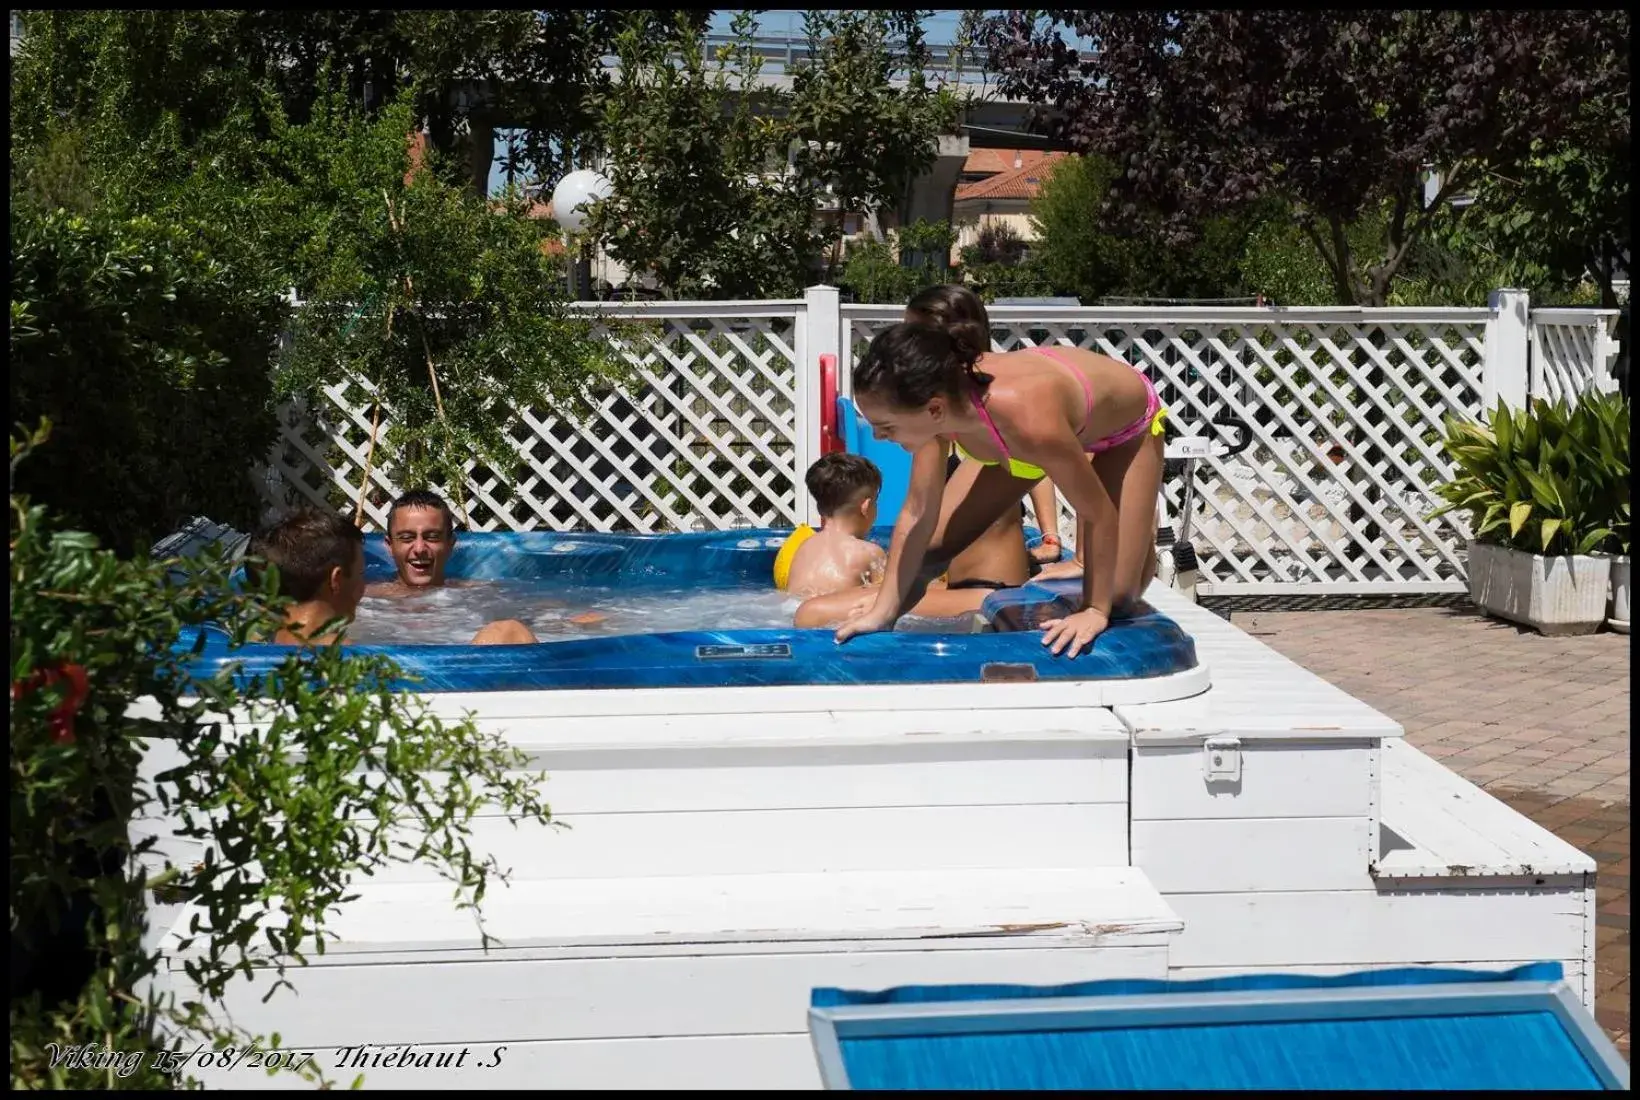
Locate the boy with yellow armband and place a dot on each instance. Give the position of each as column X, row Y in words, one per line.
column 837, row 557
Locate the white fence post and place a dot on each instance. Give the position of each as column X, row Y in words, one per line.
column 1606, row 348
column 1506, row 364
column 820, row 331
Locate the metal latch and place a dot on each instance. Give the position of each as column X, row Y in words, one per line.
column 1221, row 759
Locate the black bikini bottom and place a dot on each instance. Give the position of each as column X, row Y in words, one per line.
column 977, row 582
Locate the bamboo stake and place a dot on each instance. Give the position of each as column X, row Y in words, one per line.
column 432, row 372
column 369, row 456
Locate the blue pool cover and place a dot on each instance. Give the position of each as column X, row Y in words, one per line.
column 1144, row 646
column 1414, row 1028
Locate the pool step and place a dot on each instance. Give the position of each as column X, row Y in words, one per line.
column 818, row 791
column 715, row 971
column 797, row 791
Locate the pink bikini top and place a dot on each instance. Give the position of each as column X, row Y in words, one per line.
column 1025, row 469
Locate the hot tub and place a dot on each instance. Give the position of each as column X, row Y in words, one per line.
column 733, row 847
column 1147, row 651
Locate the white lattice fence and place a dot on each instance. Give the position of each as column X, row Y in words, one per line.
column 1344, row 407
column 1572, row 351
column 706, row 437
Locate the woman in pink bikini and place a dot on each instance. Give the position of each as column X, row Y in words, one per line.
column 1089, row 422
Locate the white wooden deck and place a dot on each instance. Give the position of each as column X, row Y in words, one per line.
column 1437, row 824
column 1256, row 692
column 729, row 850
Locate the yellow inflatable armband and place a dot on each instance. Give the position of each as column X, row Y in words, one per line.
column 788, row 551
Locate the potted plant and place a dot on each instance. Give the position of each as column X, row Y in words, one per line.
column 1546, row 491
column 1617, row 610
column 1613, row 412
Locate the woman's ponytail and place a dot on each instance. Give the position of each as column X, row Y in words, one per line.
column 979, row 378
column 961, row 313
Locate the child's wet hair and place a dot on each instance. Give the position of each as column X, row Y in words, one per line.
column 839, row 480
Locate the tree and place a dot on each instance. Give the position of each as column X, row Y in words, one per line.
column 1282, row 265
column 1336, row 114
column 1080, row 251
column 1565, row 208
column 718, row 175
column 446, row 307
column 1073, row 251
column 861, row 136
column 891, row 271
column 442, row 303
column 702, row 199
column 539, row 72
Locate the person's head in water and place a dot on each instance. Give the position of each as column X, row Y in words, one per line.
column 319, row 556
column 912, row 381
column 845, row 488
column 956, row 309
column 421, row 536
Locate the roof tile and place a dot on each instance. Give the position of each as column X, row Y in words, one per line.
column 1024, row 182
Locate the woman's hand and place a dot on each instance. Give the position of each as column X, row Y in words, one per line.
column 869, row 621
column 1073, row 632
column 1060, row 570
column 1047, row 550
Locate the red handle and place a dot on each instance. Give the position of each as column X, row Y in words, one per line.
column 830, row 440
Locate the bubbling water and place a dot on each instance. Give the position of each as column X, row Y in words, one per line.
column 451, row 615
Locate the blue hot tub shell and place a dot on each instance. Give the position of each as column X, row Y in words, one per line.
column 1145, row 646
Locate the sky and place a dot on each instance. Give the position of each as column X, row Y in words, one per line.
column 940, row 28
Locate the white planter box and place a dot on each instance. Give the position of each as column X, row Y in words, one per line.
column 1553, row 595
column 1617, row 615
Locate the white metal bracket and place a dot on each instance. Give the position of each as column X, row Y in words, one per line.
column 1189, row 446
column 1221, row 759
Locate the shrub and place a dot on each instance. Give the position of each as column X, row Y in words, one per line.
column 1548, row 479
column 290, row 810
column 997, row 243
column 891, row 271
column 151, row 356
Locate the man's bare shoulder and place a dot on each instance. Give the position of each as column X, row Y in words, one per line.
column 397, row 590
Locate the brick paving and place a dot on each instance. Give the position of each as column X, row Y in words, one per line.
column 1540, row 723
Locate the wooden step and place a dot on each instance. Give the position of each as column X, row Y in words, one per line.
column 1437, row 824
column 672, row 982
column 1090, row 907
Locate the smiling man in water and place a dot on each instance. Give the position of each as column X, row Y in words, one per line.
column 421, row 536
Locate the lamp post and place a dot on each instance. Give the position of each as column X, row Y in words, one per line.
column 575, row 193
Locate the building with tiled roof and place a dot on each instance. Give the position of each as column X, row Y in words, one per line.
column 984, row 163
column 1002, row 196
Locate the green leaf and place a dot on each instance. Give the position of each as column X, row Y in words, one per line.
column 1543, row 490
column 1503, row 428
column 1519, row 513
column 1551, row 527
column 1592, row 540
